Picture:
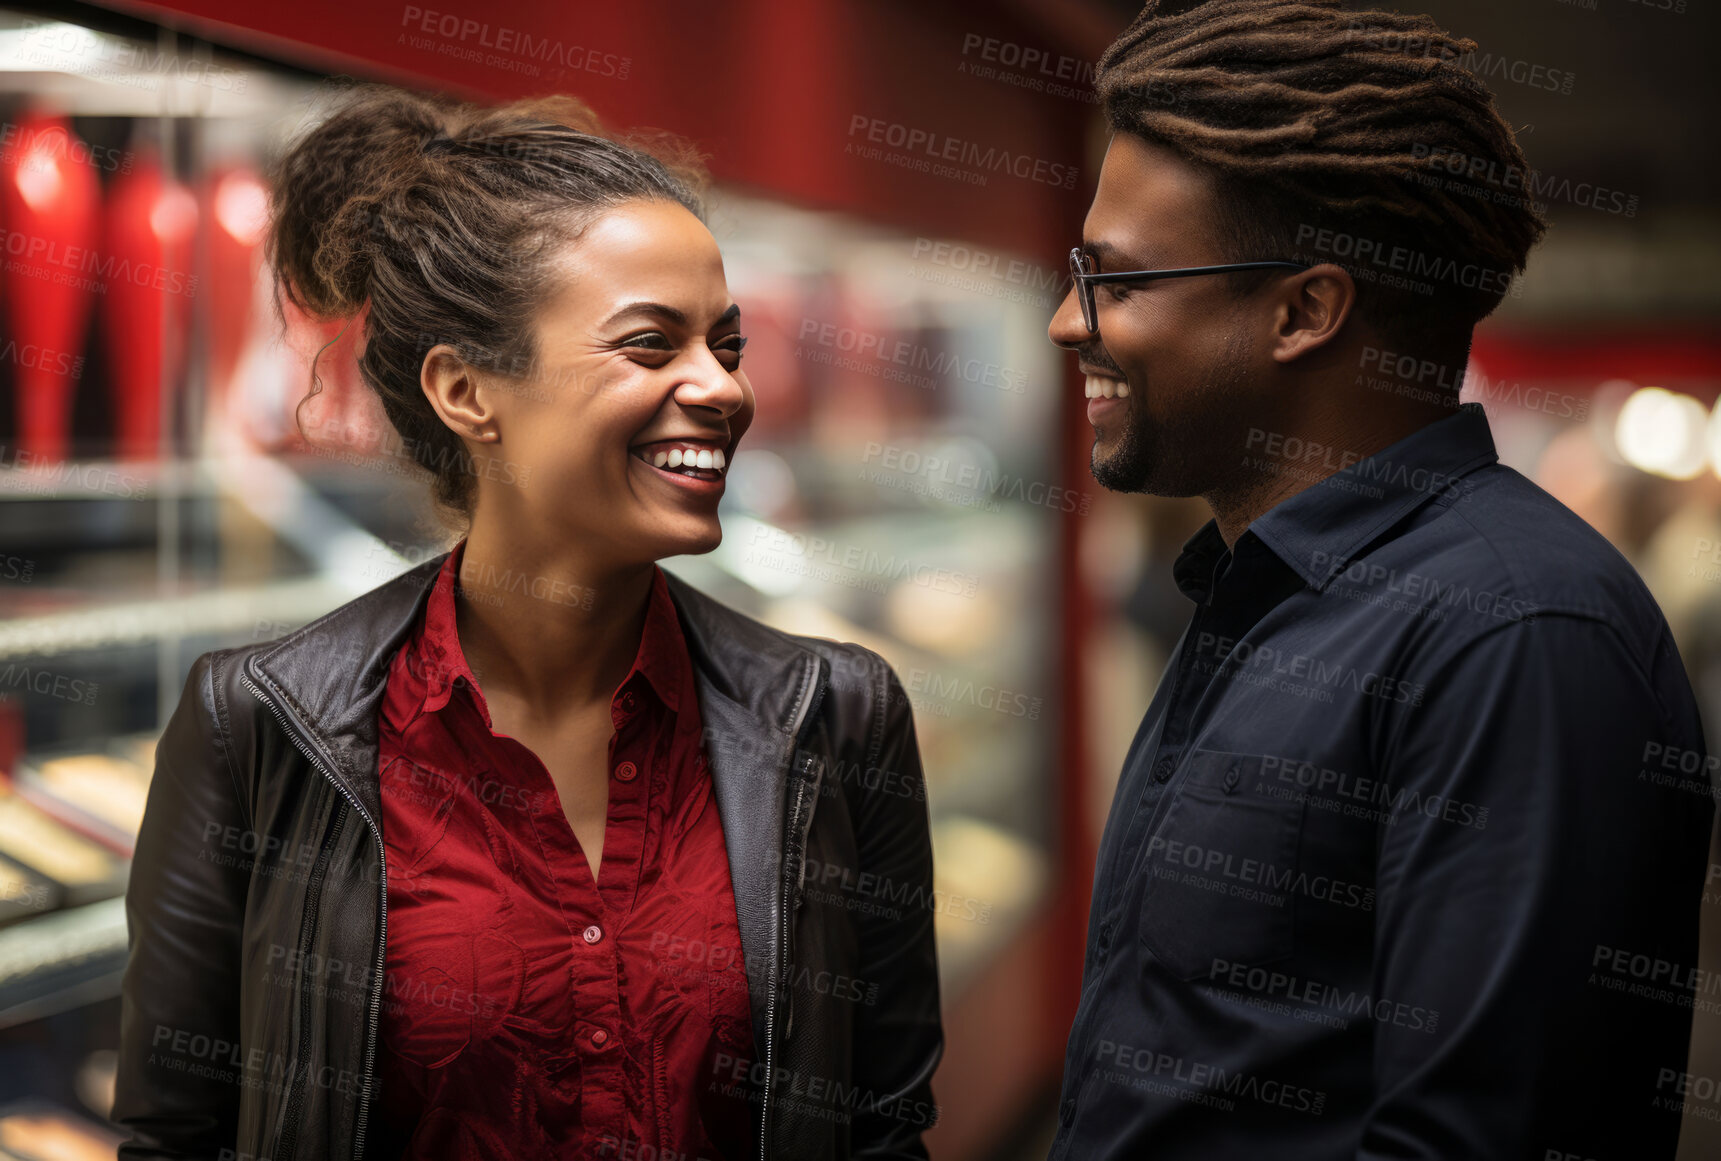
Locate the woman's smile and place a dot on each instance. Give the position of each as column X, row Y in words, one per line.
column 699, row 466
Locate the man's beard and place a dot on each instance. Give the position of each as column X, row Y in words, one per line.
column 1176, row 458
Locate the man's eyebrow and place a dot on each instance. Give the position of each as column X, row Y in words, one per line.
column 667, row 312
column 1109, row 255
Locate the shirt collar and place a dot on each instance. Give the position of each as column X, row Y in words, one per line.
column 662, row 658
column 440, row 662
column 1317, row 531
column 661, row 664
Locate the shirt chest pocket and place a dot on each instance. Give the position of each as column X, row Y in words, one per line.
column 1221, row 869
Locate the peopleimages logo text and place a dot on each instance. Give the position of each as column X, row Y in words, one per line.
column 943, row 147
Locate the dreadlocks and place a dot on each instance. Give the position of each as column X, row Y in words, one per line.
column 1321, row 123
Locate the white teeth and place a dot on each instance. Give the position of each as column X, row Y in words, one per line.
column 1098, row 387
column 1123, row 390
column 692, row 458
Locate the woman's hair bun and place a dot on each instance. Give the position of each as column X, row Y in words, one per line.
column 325, row 189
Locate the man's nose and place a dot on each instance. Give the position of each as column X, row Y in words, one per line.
column 1067, row 329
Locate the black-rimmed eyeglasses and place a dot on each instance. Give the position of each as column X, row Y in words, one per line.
column 1083, row 276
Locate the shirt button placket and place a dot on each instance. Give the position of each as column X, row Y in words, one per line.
column 602, row 1086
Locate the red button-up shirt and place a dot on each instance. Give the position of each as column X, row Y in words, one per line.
column 528, row 1011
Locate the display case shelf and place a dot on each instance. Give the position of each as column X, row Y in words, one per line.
column 61, row 961
column 215, row 612
column 103, row 480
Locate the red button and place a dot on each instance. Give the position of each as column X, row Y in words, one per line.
column 627, row 771
column 599, row 1037
column 594, row 933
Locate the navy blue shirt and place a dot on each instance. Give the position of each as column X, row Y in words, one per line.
column 1407, row 854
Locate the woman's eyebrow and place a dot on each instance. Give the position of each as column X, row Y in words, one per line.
column 671, row 314
column 657, row 308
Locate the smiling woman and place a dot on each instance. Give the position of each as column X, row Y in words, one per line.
column 555, row 803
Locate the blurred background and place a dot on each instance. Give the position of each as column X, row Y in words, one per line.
column 157, row 499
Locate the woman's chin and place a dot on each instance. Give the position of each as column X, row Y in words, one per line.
column 689, row 538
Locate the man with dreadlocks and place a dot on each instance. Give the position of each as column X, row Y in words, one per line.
column 1406, row 857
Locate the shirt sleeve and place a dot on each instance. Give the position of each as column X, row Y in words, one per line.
column 1556, row 934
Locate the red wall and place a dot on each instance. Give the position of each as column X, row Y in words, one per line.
column 768, row 88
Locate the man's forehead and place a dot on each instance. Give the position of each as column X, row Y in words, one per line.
column 1114, row 233
column 1147, row 197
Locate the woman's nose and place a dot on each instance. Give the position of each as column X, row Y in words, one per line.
column 710, row 385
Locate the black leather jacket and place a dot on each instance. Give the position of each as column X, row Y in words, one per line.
column 257, row 906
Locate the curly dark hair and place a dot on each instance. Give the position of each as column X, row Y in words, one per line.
column 438, row 216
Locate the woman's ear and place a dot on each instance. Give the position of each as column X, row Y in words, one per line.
column 453, row 389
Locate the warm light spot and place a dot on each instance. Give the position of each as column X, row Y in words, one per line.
column 1663, row 432
column 174, row 214
column 38, row 174
column 242, row 207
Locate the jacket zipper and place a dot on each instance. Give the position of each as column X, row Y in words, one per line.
column 306, row 747
column 295, row 1101
column 784, row 923
column 798, row 859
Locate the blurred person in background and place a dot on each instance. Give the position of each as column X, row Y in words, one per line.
column 527, row 828
column 1406, row 856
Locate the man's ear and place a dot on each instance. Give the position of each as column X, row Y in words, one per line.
column 1311, row 308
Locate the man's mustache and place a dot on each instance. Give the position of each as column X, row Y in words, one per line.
column 1095, row 357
